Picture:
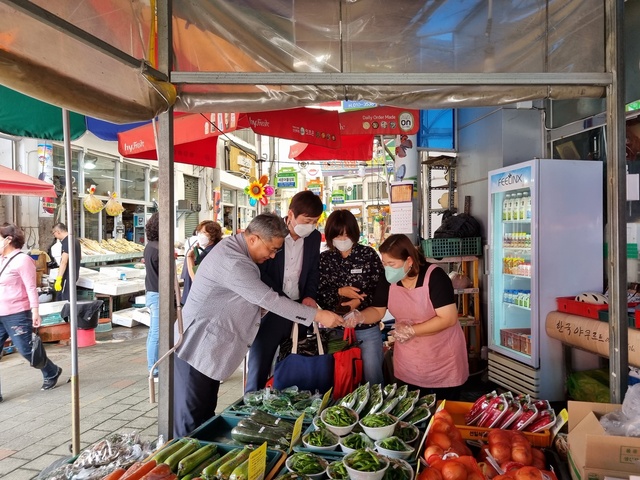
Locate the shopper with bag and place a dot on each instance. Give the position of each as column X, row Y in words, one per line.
column 349, row 277
column 19, row 306
column 222, row 318
column 430, row 351
column 293, row 273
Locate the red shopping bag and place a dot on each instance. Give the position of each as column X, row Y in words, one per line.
column 347, row 373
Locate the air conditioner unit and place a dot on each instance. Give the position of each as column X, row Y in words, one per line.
column 184, row 205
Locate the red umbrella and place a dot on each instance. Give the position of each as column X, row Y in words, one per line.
column 16, row 183
column 354, row 147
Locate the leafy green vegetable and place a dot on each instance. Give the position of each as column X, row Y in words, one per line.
column 395, row 444
column 378, row 420
column 398, row 470
column 429, row 400
column 419, row 414
column 406, row 432
column 356, row 441
column 338, row 416
column 365, row 460
column 306, row 463
column 390, row 390
column 321, row 438
column 337, row 471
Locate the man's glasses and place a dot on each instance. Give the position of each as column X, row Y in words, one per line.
column 272, row 250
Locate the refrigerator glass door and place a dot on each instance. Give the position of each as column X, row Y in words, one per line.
column 511, row 302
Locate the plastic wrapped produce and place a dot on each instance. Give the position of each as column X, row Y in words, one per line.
column 113, row 207
column 91, row 203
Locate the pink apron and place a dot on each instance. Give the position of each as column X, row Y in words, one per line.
column 433, row 361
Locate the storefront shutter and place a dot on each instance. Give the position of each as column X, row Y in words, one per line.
column 191, row 195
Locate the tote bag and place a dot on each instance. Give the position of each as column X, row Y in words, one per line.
column 311, row 373
column 347, row 366
column 38, row 353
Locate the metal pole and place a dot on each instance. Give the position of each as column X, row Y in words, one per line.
column 73, row 320
column 167, row 263
column 616, row 198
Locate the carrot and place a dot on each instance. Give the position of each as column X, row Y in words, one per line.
column 162, row 471
column 116, row 474
column 138, row 470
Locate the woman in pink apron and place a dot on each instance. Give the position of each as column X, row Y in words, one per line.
column 430, row 351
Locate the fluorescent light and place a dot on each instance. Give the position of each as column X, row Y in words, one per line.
column 89, row 164
column 153, row 179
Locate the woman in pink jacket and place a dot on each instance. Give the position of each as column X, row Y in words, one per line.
column 19, row 306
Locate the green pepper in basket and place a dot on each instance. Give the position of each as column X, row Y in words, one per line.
column 364, row 461
column 306, row 463
column 338, row 416
column 378, row 420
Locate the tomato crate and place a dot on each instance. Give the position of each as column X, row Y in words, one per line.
column 468, row 432
column 451, row 247
column 570, row 305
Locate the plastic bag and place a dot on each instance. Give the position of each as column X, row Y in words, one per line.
column 91, row 203
column 113, row 207
column 625, row 422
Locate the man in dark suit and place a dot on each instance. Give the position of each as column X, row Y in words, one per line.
column 293, row 273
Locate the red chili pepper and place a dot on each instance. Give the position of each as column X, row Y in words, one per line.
column 494, row 412
column 527, row 416
column 479, row 407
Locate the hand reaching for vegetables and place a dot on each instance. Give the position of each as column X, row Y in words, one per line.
column 328, row 319
column 403, row 332
column 353, row 319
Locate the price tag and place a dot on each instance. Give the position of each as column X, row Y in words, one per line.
column 297, row 430
column 561, row 419
column 258, row 462
column 325, row 400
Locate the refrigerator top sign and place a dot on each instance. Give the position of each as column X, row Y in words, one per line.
column 511, row 180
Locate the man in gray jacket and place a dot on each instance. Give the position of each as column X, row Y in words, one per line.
column 222, row 318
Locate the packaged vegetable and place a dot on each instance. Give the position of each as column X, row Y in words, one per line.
column 91, row 203
column 514, row 409
column 543, row 421
column 528, row 414
column 113, row 207
column 494, row 412
column 478, row 407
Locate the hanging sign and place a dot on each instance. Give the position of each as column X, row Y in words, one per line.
column 287, row 178
column 380, row 121
column 309, row 125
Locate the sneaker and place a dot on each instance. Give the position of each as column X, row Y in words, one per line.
column 49, row 383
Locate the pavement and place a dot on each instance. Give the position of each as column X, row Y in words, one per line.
column 35, row 425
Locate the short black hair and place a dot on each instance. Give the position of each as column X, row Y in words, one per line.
column 339, row 222
column 152, row 228
column 60, row 226
column 306, row 203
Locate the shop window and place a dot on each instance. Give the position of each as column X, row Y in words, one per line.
column 59, row 170
column 101, row 172
column 132, row 181
column 353, row 192
column 227, row 196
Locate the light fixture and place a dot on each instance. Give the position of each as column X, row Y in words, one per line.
column 153, row 179
column 90, row 164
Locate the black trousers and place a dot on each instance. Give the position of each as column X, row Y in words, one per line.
column 195, row 397
column 273, row 330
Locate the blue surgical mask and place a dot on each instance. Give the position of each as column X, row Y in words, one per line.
column 394, row 275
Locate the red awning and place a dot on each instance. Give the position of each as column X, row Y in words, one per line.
column 354, row 147
column 194, row 137
column 16, row 183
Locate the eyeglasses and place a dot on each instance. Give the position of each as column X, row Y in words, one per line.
column 272, row 250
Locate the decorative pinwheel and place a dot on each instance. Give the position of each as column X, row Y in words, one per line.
column 259, row 191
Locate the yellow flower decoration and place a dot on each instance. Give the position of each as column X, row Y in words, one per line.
column 256, row 190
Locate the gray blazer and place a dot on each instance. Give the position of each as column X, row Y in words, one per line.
column 222, row 313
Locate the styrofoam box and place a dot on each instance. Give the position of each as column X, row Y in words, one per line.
column 124, row 317
column 51, row 307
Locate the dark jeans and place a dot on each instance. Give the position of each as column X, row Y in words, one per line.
column 195, row 397
column 19, row 327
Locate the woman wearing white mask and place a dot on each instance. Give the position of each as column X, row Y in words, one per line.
column 352, row 279
column 208, row 234
column 430, row 351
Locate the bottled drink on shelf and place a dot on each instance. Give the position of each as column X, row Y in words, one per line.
column 517, row 207
column 527, row 208
column 506, row 205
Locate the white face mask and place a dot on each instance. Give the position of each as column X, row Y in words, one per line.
column 203, row 239
column 343, row 245
column 303, row 230
column 3, row 243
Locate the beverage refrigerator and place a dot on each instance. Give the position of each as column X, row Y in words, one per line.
column 545, row 241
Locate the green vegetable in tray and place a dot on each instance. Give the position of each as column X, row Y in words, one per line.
column 413, row 395
column 428, row 400
column 406, row 432
column 292, row 476
column 395, row 444
column 306, row 463
column 241, row 472
column 337, row 471
column 389, row 390
column 375, row 399
column 348, row 400
column 265, row 418
column 402, row 392
column 253, row 398
column 389, row 404
column 404, row 406
column 338, row 416
column 419, row 414
column 357, row 441
column 321, row 438
column 398, row 470
column 378, row 420
column 362, row 397
column 364, row 461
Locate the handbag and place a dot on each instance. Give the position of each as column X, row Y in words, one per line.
column 38, row 353
column 307, row 372
column 347, row 373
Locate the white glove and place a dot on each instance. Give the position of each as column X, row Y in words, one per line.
column 403, row 332
column 353, row 319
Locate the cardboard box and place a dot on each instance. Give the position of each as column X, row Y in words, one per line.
column 594, row 455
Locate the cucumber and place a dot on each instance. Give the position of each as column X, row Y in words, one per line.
column 191, row 461
column 167, row 450
column 241, row 472
column 244, row 434
column 211, row 471
column 265, row 418
column 191, row 446
column 196, row 472
column 225, row 470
